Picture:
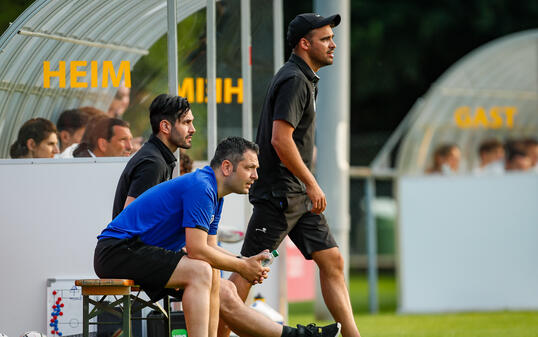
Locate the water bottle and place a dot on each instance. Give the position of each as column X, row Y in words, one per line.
column 269, row 258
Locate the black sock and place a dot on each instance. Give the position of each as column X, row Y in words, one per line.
column 288, row 331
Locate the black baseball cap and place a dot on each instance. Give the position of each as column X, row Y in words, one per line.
column 304, row 23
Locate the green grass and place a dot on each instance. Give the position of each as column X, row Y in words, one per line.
column 388, row 323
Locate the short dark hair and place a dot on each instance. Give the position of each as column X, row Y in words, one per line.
column 37, row 129
column 232, row 149
column 489, row 145
column 514, row 148
column 98, row 127
column 72, row 120
column 167, row 107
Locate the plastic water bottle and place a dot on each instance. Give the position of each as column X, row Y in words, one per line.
column 269, row 258
column 260, row 306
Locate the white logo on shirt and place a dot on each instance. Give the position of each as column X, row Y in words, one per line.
column 263, row 229
column 212, row 218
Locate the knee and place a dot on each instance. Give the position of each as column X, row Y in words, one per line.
column 229, row 299
column 338, row 261
column 200, row 272
column 330, row 261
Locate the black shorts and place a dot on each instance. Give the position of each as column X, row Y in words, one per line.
column 148, row 266
column 273, row 219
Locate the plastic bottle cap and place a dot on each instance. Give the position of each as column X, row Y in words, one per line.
column 275, row 253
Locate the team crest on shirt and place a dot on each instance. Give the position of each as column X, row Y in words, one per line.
column 212, row 218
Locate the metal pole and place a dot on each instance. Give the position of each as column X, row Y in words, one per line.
column 172, row 60
column 172, row 48
column 371, row 244
column 246, row 69
column 332, row 136
column 278, row 60
column 278, row 35
column 211, row 78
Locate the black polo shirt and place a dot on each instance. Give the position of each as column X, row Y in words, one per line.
column 151, row 165
column 292, row 98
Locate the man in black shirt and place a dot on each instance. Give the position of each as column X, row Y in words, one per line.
column 287, row 199
column 172, row 125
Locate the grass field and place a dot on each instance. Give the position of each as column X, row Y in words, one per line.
column 388, row 323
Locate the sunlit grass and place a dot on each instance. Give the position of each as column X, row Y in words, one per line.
column 388, row 323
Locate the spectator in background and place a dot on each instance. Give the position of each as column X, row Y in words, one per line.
column 185, row 163
column 137, row 143
column 491, row 153
column 71, row 125
column 37, row 138
column 446, row 159
column 120, row 103
column 89, row 113
column 105, row 137
column 516, row 157
column 531, row 148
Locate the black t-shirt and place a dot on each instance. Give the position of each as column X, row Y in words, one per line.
column 292, row 98
column 151, row 165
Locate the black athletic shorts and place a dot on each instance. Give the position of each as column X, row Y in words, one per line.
column 148, row 266
column 273, row 219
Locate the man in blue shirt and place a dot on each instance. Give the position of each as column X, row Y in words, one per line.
column 145, row 241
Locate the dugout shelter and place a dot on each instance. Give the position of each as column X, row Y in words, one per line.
column 466, row 241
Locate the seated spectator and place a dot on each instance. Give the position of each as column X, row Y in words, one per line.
column 120, row 103
column 37, row 139
column 531, row 148
column 491, row 153
column 105, row 137
column 137, row 143
column 446, row 159
column 185, row 163
column 89, row 112
column 516, row 157
column 71, row 125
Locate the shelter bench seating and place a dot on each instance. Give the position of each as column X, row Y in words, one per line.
column 129, row 301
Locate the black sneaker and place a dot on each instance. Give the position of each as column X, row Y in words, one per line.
column 311, row 330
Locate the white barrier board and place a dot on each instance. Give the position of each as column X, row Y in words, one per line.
column 468, row 243
column 51, row 213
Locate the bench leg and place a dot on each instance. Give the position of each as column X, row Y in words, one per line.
column 167, row 318
column 85, row 316
column 126, row 316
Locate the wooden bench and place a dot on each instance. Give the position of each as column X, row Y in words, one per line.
column 118, row 297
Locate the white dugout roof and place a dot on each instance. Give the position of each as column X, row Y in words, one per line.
column 490, row 93
column 64, row 30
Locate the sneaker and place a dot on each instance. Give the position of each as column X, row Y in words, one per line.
column 311, row 330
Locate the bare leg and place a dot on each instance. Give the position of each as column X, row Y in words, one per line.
column 195, row 277
column 334, row 289
column 243, row 320
column 214, row 304
column 224, row 329
column 242, row 286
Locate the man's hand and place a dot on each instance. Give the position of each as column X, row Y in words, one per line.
column 253, row 271
column 316, row 195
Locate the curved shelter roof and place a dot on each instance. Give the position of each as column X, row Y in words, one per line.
column 490, row 93
column 64, row 30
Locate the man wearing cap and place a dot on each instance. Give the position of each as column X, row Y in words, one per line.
column 287, row 199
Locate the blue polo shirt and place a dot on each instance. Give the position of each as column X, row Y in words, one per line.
column 160, row 215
